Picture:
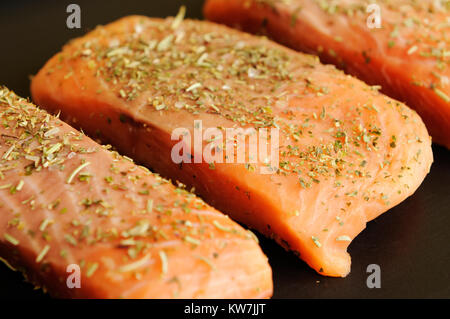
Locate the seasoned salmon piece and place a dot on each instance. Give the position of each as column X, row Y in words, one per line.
column 401, row 45
column 346, row 153
column 69, row 207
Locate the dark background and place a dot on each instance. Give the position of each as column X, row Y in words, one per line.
column 411, row 242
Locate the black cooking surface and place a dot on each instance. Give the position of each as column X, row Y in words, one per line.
column 410, row 243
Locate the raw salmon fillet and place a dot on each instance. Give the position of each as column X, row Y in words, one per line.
column 408, row 56
column 346, row 152
column 65, row 200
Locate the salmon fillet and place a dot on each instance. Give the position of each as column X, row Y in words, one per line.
column 65, row 200
column 346, row 152
column 408, row 56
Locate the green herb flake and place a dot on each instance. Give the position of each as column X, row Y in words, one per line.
column 316, row 241
column 11, row 239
